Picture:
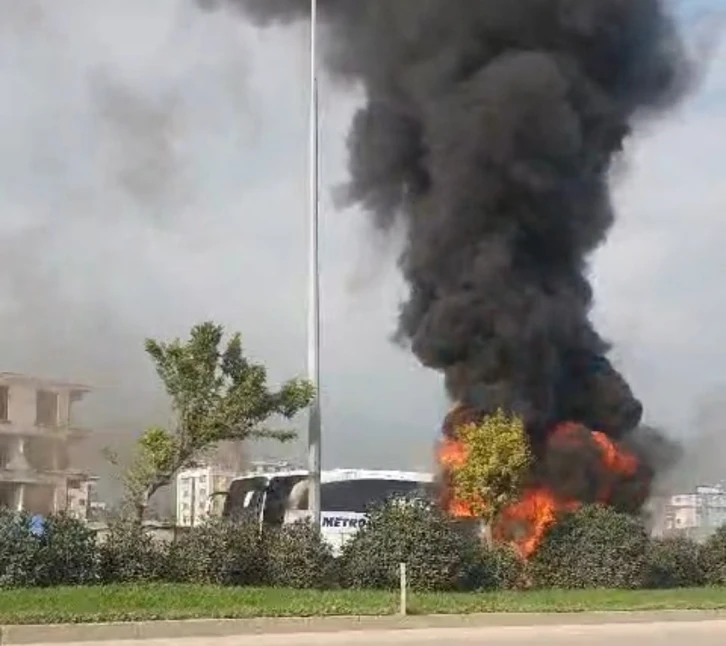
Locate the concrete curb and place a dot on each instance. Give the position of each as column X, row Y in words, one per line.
column 63, row 633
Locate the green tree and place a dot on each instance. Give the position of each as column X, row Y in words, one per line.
column 498, row 457
column 216, row 395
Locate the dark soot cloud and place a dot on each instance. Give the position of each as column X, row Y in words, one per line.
column 489, row 128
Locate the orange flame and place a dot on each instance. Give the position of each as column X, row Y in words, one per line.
column 613, row 458
column 453, row 454
column 526, row 522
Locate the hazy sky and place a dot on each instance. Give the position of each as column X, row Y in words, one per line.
column 153, row 175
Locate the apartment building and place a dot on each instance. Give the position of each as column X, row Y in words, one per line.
column 37, row 434
column 696, row 514
column 193, row 490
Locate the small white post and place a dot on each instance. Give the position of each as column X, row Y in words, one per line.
column 21, row 498
column 404, row 590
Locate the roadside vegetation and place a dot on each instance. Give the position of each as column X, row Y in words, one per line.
column 167, row 601
column 594, row 559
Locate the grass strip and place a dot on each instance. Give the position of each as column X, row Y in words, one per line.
column 157, row 602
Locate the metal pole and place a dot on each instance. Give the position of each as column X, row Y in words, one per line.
column 314, row 420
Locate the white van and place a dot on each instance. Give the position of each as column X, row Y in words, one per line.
column 346, row 494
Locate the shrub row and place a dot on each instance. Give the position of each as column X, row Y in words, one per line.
column 595, row 547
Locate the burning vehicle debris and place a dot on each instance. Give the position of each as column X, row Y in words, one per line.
column 488, row 130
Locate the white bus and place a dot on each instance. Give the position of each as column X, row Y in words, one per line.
column 346, row 495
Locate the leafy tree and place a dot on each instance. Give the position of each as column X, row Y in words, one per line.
column 217, row 395
column 498, row 458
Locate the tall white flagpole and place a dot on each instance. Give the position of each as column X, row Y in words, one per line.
column 315, row 417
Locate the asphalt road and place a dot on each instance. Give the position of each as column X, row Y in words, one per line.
column 702, row 633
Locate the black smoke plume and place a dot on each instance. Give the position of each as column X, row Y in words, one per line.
column 490, row 127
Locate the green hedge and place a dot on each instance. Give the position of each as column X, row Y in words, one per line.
column 217, row 553
column 416, row 533
column 298, row 557
column 713, row 558
column 595, row 547
column 63, row 554
column 674, row 563
column 128, row 554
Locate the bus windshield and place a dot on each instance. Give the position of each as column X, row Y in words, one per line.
column 244, row 499
column 262, row 498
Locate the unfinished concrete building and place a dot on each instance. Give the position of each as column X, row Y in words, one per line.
column 37, row 435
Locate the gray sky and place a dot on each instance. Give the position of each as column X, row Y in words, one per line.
column 153, row 174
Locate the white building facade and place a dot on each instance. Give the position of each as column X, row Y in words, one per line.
column 81, row 502
column 698, row 513
column 36, row 435
column 193, row 490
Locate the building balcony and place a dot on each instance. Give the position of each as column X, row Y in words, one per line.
column 29, row 476
column 35, row 476
column 65, row 432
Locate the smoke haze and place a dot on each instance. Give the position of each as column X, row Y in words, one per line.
column 151, row 176
column 104, row 97
column 100, row 181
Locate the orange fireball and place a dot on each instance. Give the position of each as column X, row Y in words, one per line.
column 526, row 522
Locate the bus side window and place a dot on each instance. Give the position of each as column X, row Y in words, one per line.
column 359, row 495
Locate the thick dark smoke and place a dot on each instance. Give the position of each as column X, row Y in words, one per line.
column 490, row 127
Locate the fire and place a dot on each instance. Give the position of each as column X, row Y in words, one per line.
column 453, row 454
column 460, row 509
column 525, row 523
column 613, row 458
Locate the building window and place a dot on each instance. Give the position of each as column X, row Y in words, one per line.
column 4, row 400
column 46, row 408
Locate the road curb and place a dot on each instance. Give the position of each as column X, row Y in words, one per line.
column 200, row 628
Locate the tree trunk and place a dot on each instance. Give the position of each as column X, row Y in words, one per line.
column 139, row 511
column 141, row 504
column 486, row 533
